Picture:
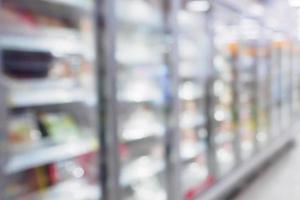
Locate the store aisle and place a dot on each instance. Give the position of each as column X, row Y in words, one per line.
column 281, row 180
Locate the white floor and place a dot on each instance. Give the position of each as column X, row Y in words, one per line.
column 280, row 181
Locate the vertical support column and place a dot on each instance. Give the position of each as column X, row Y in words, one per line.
column 4, row 153
column 292, row 76
column 236, row 107
column 174, row 190
column 210, row 98
column 297, row 80
column 283, row 92
column 297, row 70
column 107, row 110
column 290, row 79
column 269, row 88
column 256, row 100
column 294, row 81
column 286, row 86
column 281, row 87
column 274, row 90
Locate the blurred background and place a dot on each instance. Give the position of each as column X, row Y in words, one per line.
column 149, row 99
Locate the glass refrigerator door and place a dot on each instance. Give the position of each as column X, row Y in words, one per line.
column 142, row 97
column 286, row 87
column 263, row 74
column 295, row 75
column 276, row 82
column 224, row 96
column 193, row 66
column 48, row 68
column 247, row 96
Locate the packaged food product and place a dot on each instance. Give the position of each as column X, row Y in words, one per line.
column 23, row 129
column 59, row 126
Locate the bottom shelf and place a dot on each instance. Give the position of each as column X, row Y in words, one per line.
column 226, row 185
column 73, row 189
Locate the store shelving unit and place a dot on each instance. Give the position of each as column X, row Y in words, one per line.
column 51, row 124
column 225, row 132
column 141, row 100
column 264, row 64
column 247, row 79
column 189, row 97
column 193, row 70
column 246, row 65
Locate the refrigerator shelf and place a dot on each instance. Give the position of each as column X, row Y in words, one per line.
column 59, row 46
column 39, row 31
column 132, row 175
column 189, row 160
column 190, row 91
column 190, row 119
column 45, row 92
column 48, row 154
column 144, row 139
column 77, row 189
column 78, row 4
column 84, row 6
column 139, row 14
column 192, row 97
column 201, row 149
column 222, row 138
column 44, row 98
column 141, row 94
column 141, row 28
column 141, row 100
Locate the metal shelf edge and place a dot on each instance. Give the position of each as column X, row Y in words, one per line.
column 76, row 4
column 228, row 183
column 44, row 156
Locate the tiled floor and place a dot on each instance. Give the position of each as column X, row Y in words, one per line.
column 280, row 181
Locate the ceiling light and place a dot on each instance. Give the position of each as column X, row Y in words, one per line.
column 198, row 5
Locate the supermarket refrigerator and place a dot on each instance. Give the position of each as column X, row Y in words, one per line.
column 236, row 88
column 193, row 76
column 137, row 108
column 276, row 62
column 295, row 80
column 149, row 143
column 225, row 90
column 247, row 68
column 50, row 136
column 286, row 86
column 263, row 93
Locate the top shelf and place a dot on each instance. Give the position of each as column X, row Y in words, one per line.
column 78, row 4
column 72, row 10
column 58, row 41
column 56, row 46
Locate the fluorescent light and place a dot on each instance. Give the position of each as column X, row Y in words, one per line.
column 198, row 5
column 294, row 3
